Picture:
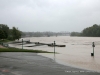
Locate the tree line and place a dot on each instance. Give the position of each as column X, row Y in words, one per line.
column 44, row 34
column 93, row 31
column 10, row 34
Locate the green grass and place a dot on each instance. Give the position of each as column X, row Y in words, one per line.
column 5, row 40
column 22, row 50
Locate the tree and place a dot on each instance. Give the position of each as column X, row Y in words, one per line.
column 93, row 31
column 5, row 30
column 11, row 34
column 2, row 35
column 16, row 34
column 75, row 34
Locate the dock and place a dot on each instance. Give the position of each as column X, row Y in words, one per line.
column 36, row 44
column 57, row 45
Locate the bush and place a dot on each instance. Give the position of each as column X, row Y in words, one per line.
column 10, row 38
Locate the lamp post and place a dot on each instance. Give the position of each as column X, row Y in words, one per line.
column 22, row 43
column 54, row 47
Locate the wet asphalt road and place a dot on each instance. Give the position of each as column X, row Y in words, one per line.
column 33, row 64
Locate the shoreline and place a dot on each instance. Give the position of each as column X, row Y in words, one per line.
column 71, row 65
column 37, row 64
column 62, row 62
column 79, row 61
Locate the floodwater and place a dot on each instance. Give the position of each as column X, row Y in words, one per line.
column 77, row 52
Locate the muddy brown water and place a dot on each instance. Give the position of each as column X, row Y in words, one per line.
column 76, row 53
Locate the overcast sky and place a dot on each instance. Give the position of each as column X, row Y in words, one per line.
column 50, row 15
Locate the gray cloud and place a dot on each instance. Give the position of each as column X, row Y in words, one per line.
column 50, row 15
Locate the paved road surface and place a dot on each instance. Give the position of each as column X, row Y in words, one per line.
column 33, row 64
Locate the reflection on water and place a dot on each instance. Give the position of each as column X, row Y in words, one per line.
column 76, row 53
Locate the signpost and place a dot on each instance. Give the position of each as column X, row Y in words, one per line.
column 93, row 45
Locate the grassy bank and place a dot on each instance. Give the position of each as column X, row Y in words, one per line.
column 22, row 50
column 5, row 40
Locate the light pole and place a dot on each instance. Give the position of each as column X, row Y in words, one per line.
column 22, row 43
column 54, row 47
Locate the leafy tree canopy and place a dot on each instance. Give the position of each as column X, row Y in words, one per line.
column 93, row 31
column 11, row 34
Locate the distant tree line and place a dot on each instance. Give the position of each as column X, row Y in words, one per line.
column 44, row 34
column 93, row 31
column 75, row 34
column 10, row 34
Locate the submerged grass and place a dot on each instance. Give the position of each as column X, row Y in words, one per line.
column 22, row 50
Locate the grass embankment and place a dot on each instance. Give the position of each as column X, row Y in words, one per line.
column 5, row 40
column 22, row 50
